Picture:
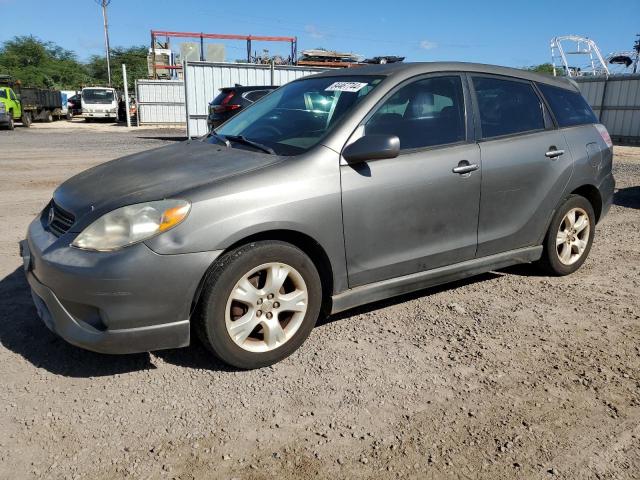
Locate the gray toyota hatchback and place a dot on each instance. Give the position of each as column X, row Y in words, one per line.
column 335, row 190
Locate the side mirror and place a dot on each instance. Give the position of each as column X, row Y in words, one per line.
column 372, row 147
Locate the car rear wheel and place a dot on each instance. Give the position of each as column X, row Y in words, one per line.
column 259, row 304
column 570, row 237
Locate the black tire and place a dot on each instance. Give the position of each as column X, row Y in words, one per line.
column 48, row 117
column 550, row 260
column 11, row 124
column 209, row 322
column 26, row 119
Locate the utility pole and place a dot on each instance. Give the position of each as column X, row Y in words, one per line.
column 104, row 4
column 636, row 47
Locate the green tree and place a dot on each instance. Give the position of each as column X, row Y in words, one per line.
column 41, row 64
column 135, row 58
column 542, row 68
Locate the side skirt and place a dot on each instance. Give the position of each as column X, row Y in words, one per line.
column 421, row 280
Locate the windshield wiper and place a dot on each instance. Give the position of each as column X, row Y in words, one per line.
column 251, row 143
column 220, row 138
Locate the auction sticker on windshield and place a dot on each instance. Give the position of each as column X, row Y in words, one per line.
column 345, row 87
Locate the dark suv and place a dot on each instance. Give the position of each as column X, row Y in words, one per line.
column 233, row 99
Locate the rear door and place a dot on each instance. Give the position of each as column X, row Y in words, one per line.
column 414, row 213
column 526, row 164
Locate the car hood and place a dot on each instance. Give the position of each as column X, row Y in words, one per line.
column 154, row 175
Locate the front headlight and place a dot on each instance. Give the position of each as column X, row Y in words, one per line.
column 132, row 224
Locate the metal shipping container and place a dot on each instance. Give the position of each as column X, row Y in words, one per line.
column 160, row 102
column 616, row 102
column 203, row 80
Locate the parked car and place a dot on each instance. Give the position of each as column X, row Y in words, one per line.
column 336, row 190
column 232, row 100
column 74, row 105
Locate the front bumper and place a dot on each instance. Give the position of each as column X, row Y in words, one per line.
column 4, row 118
column 100, row 115
column 126, row 301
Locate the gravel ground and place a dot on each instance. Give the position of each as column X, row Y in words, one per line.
column 507, row 375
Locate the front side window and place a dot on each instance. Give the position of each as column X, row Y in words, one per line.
column 507, row 107
column 424, row 113
column 12, row 95
column 297, row 116
column 570, row 108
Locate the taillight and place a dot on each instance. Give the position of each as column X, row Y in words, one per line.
column 225, row 108
column 602, row 130
column 224, row 105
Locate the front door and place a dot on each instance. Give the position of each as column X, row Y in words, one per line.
column 414, row 213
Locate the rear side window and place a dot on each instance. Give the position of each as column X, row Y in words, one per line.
column 569, row 108
column 422, row 114
column 507, row 107
column 255, row 95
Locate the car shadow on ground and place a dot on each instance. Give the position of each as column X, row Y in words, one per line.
column 628, row 197
column 22, row 332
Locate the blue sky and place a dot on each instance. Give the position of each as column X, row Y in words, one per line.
column 513, row 33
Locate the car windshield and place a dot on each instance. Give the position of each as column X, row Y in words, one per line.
column 97, row 96
column 297, row 116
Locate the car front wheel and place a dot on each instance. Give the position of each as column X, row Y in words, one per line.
column 259, row 304
column 570, row 237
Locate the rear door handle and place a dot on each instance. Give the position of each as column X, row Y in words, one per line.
column 554, row 153
column 465, row 167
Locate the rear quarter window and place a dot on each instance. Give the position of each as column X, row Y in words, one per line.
column 569, row 107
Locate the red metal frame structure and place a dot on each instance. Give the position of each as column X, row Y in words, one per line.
column 220, row 36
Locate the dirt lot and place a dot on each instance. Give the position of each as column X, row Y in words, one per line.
column 508, row 375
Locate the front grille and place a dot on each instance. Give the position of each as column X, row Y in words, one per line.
column 58, row 221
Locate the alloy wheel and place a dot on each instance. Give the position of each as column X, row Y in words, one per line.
column 266, row 307
column 573, row 236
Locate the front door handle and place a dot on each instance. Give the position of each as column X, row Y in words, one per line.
column 554, row 153
column 465, row 167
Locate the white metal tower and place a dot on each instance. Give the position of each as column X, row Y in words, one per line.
column 589, row 60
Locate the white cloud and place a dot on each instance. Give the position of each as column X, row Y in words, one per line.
column 427, row 45
column 313, row 31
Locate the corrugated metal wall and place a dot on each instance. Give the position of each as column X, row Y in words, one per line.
column 203, row 79
column 616, row 102
column 160, row 102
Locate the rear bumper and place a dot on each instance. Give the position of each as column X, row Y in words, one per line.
column 606, row 188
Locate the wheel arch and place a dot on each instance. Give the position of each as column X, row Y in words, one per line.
column 592, row 194
column 304, row 242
